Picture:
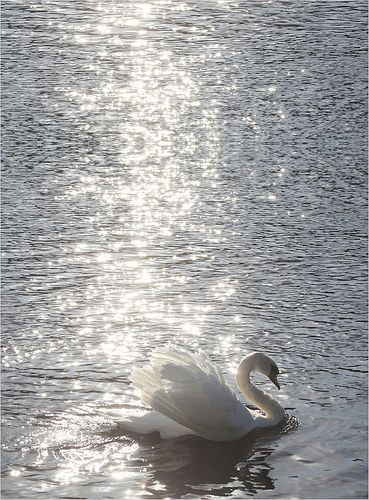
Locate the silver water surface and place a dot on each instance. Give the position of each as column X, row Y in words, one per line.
column 191, row 173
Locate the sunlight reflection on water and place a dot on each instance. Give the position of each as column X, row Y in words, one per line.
column 186, row 173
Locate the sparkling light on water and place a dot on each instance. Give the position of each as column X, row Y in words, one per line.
column 181, row 173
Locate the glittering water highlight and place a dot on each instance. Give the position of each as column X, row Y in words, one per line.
column 194, row 174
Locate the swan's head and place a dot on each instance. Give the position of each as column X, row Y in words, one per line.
column 263, row 364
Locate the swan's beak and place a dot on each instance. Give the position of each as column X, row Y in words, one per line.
column 273, row 378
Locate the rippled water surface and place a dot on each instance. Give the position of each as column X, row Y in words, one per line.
column 192, row 173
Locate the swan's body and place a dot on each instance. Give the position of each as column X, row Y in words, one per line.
column 190, row 396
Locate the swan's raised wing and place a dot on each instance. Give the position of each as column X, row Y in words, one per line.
column 190, row 390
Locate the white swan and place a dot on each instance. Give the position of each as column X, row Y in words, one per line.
column 190, row 396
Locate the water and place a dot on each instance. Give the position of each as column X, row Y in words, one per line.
column 191, row 173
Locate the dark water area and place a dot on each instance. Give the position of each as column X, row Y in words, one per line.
column 191, row 173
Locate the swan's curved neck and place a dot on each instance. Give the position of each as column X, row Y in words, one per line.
column 274, row 411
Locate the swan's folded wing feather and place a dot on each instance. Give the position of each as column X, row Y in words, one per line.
column 189, row 389
column 176, row 374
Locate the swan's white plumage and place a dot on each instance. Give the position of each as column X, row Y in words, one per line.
column 189, row 390
column 153, row 421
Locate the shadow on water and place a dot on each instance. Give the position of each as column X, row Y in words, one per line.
column 195, row 465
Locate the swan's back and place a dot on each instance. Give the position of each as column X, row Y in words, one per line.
column 188, row 389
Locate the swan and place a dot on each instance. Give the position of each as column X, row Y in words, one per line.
column 189, row 396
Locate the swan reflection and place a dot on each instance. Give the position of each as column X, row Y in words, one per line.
column 194, row 465
column 190, row 464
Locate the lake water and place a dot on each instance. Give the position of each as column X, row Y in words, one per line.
column 191, row 173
